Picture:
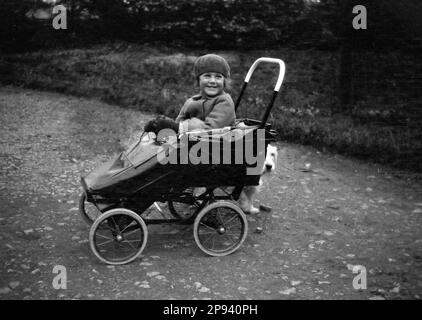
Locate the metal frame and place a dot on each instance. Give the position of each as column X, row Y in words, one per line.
column 280, row 79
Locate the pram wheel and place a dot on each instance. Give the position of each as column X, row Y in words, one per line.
column 118, row 236
column 220, row 228
column 185, row 211
column 88, row 210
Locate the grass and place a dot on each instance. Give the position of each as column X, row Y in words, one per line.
column 159, row 80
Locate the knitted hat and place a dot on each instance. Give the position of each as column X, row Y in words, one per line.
column 211, row 63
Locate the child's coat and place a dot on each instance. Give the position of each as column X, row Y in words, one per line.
column 201, row 113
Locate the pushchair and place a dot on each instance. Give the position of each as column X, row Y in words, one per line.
column 203, row 193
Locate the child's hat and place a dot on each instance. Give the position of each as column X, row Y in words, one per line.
column 211, row 63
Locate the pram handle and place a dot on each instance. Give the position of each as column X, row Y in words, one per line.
column 276, row 88
column 270, row 60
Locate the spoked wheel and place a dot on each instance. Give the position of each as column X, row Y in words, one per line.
column 220, row 228
column 185, row 211
column 118, row 236
column 88, row 210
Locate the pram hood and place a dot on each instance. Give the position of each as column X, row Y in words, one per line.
column 123, row 167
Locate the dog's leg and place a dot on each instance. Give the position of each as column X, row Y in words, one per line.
column 246, row 200
column 252, row 209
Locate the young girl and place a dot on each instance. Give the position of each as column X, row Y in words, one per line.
column 212, row 108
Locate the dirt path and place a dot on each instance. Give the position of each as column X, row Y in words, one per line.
column 324, row 221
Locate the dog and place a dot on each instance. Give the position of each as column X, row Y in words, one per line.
column 249, row 192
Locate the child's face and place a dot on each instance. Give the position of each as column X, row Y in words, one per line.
column 211, row 83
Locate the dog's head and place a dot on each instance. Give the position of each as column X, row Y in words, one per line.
column 271, row 159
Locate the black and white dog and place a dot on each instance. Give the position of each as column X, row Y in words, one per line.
column 248, row 194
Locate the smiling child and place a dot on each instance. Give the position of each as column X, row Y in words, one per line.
column 212, row 108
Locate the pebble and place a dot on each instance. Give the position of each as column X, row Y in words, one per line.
column 161, row 277
column 153, row 274
column 14, row 284
column 204, row 290
column 295, row 283
column 258, row 230
column 5, row 290
column 350, row 266
column 333, row 206
column 376, row 298
column 288, row 291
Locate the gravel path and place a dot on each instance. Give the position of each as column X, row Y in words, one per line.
column 339, row 214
